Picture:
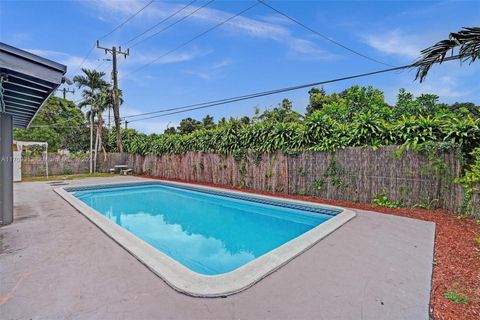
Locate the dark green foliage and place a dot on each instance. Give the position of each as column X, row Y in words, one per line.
column 170, row 130
column 41, row 134
column 358, row 116
column 283, row 113
column 189, row 125
column 207, row 122
column 61, row 124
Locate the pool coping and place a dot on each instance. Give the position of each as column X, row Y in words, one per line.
column 191, row 283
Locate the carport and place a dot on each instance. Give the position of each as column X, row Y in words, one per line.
column 26, row 82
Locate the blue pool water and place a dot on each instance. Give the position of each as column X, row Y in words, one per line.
column 208, row 233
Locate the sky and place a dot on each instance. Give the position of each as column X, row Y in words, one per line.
column 259, row 50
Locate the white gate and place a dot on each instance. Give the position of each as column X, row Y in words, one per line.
column 17, row 166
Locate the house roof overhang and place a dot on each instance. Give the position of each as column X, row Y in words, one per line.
column 29, row 80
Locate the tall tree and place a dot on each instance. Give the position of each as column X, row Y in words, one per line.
column 318, row 98
column 93, row 84
column 208, row 122
column 282, row 113
column 60, row 123
column 466, row 41
column 189, row 125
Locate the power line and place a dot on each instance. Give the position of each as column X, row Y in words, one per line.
column 64, row 123
column 322, row 35
column 109, row 33
column 126, row 21
column 172, row 24
column 266, row 93
column 59, row 124
column 194, row 38
column 84, row 60
column 271, row 92
column 157, row 24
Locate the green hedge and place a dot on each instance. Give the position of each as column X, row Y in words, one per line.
column 318, row 132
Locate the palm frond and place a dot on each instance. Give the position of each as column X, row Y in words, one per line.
column 467, row 41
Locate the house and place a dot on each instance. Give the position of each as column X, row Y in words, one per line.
column 26, row 82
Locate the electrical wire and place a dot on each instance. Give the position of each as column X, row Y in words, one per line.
column 84, row 59
column 193, row 39
column 266, row 93
column 159, row 23
column 209, row 104
column 323, row 36
column 271, row 92
column 109, row 33
column 172, row 24
column 126, row 21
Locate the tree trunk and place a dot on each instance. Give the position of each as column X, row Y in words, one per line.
column 91, row 142
column 116, row 115
column 96, row 151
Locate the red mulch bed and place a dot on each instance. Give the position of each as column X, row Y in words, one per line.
column 457, row 253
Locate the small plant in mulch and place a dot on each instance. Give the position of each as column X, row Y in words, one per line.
column 477, row 238
column 427, row 204
column 381, row 199
column 456, row 297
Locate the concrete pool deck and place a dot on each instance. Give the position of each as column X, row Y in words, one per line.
column 54, row 263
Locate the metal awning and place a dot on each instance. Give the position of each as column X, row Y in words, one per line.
column 30, row 80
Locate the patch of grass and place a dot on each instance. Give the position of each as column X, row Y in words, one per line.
column 67, row 171
column 66, row 177
column 427, row 204
column 456, row 297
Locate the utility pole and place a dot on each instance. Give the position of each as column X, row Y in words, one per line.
column 116, row 101
column 126, row 124
column 65, row 91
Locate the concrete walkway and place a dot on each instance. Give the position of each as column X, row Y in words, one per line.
column 55, row 264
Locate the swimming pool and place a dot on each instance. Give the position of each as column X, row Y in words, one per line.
column 196, row 238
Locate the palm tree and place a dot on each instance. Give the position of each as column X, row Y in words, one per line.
column 467, row 41
column 100, row 105
column 93, row 84
column 107, row 100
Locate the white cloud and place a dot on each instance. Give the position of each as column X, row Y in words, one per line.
column 450, row 81
column 147, row 57
column 268, row 29
column 199, row 74
column 277, row 19
column 122, row 7
column 211, row 71
column 71, row 61
column 440, row 88
column 395, row 43
column 306, row 49
column 152, row 126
